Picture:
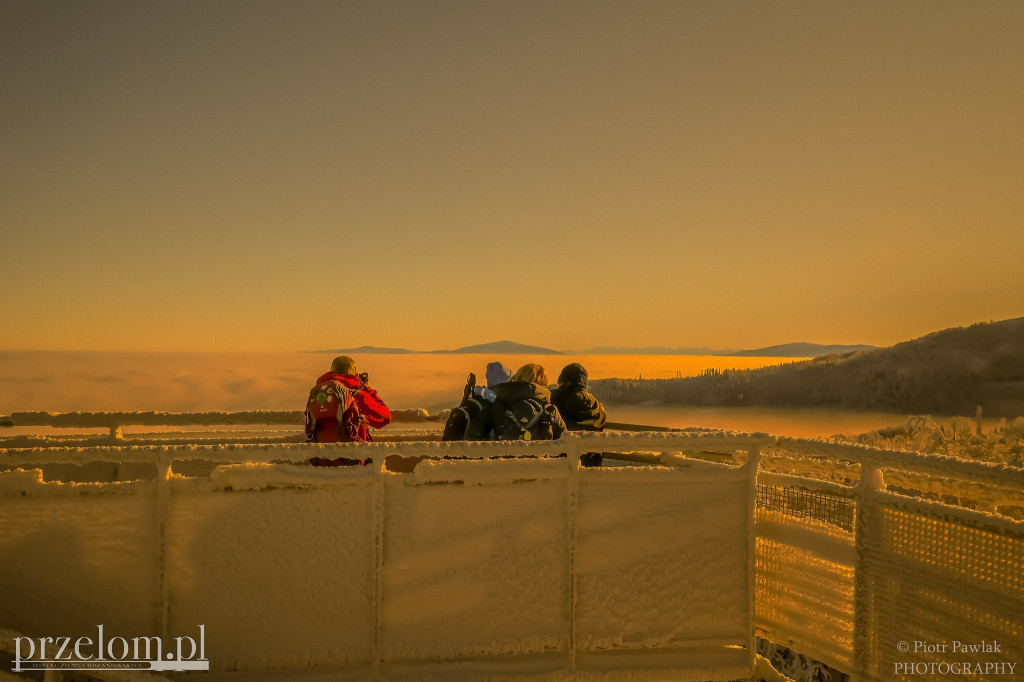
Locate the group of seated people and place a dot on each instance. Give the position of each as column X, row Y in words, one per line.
column 522, row 406
column 342, row 407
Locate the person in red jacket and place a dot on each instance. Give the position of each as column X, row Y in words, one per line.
column 363, row 410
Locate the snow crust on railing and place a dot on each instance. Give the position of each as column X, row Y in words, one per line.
column 985, row 496
column 437, row 471
column 105, row 420
column 994, row 473
column 991, row 473
column 300, row 452
column 257, row 476
column 804, row 483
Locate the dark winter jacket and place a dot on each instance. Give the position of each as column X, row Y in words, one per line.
column 507, row 395
column 578, row 407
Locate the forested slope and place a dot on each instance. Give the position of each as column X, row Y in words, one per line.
column 948, row 372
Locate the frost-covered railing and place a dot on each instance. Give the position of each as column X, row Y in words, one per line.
column 875, row 562
column 245, row 423
column 526, row 562
column 113, row 420
column 891, row 565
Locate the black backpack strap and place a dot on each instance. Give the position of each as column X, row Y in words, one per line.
column 310, row 427
column 464, row 411
column 537, row 417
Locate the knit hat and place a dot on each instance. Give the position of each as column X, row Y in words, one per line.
column 497, row 374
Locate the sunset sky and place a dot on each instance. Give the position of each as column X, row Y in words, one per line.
column 301, row 175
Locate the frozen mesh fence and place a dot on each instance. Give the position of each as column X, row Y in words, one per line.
column 804, row 572
column 809, row 504
column 805, row 602
column 941, row 575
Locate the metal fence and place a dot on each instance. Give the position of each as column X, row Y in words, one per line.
column 889, row 585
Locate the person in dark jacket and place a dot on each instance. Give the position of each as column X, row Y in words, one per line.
column 578, row 407
column 524, row 394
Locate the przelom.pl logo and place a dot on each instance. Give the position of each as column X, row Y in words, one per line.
column 110, row 653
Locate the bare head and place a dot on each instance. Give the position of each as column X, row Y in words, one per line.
column 343, row 364
column 532, row 373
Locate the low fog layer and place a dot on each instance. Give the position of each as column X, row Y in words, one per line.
column 180, row 382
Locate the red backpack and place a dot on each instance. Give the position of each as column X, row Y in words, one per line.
column 331, row 413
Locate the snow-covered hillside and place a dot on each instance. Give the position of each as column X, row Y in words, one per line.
column 950, row 372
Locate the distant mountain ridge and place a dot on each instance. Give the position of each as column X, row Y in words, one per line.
column 649, row 350
column 799, row 350
column 948, row 372
column 368, row 350
column 788, row 350
column 503, row 348
column 496, row 347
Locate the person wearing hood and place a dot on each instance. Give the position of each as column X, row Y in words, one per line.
column 366, row 409
column 578, row 407
column 521, row 410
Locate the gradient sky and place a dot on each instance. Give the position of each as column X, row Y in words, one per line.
column 296, row 175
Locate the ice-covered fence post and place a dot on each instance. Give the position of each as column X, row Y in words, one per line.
column 163, row 475
column 867, row 531
column 753, row 463
column 378, row 551
column 572, row 456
